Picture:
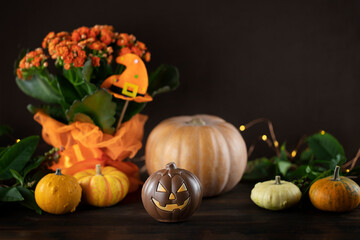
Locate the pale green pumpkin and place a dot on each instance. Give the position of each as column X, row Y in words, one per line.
column 275, row 195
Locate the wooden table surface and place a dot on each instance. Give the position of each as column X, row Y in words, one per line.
column 229, row 216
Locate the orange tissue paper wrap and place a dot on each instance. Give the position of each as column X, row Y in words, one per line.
column 84, row 145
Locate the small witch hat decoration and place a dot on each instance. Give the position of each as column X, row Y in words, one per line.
column 130, row 85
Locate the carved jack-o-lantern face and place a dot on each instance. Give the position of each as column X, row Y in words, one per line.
column 171, row 194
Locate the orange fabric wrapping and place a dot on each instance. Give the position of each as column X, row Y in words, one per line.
column 85, row 145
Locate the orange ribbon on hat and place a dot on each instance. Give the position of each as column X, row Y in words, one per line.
column 85, row 145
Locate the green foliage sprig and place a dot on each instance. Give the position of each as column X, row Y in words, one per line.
column 322, row 153
column 20, row 171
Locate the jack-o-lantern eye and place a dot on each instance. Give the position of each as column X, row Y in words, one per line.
column 160, row 188
column 182, row 188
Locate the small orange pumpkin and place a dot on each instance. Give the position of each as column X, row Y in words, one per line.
column 103, row 188
column 205, row 145
column 335, row 193
column 57, row 193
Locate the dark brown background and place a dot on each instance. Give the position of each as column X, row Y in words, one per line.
column 294, row 62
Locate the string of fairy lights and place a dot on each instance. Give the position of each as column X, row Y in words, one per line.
column 274, row 144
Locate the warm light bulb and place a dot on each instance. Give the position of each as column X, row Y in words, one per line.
column 347, row 170
column 322, row 132
column 264, row 137
column 276, row 143
column 293, row 153
column 17, row 140
column 242, row 128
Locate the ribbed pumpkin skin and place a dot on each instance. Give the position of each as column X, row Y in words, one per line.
column 103, row 190
column 215, row 152
column 335, row 196
column 58, row 194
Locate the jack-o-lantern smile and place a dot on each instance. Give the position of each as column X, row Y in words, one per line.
column 171, row 207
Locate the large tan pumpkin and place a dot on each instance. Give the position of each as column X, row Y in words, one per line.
column 205, row 145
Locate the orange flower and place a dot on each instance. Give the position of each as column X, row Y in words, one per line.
column 122, row 39
column 141, row 45
column 109, row 59
column 147, row 56
column 79, row 62
column 19, row 73
column 95, row 61
column 70, row 53
column 97, row 45
column 86, row 42
column 80, row 34
column 67, row 66
column 32, row 60
column 46, row 40
column 132, row 39
column 124, row 51
column 109, row 50
column 136, row 51
column 104, row 32
column 106, row 36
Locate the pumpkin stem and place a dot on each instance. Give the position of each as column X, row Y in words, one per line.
column 197, row 122
column 277, row 180
column 170, row 166
column 58, row 171
column 336, row 174
column 98, row 169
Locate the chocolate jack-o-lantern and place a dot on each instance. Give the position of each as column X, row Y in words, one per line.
column 132, row 84
column 172, row 194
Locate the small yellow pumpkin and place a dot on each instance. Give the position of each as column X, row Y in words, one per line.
column 275, row 195
column 103, row 188
column 57, row 193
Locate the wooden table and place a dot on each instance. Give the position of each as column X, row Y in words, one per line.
column 229, row 216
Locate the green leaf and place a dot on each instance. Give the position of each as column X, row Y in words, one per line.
column 325, row 146
column 87, row 70
column 298, row 173
column 33, row 165
column 99, row 107
column 17, row 156
column 320, row 176
column 283, row 153
column 3, row 151
column 77, row 78
column 133, row 109
column 5, row 130
column 55, row 111
column 10, row 194
column 74, row 75
column 40, row 86
column 68, row 92
column 259, row 169
column 283, row 167
column 306, row 156
column 17, row 176
column 164, row 79
column 102, row 72
column 311, row 173
column 29, row 199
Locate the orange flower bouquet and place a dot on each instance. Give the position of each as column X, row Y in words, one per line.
column 93, row 99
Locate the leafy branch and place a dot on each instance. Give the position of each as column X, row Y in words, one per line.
column 19, row 172
column 321, row 153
